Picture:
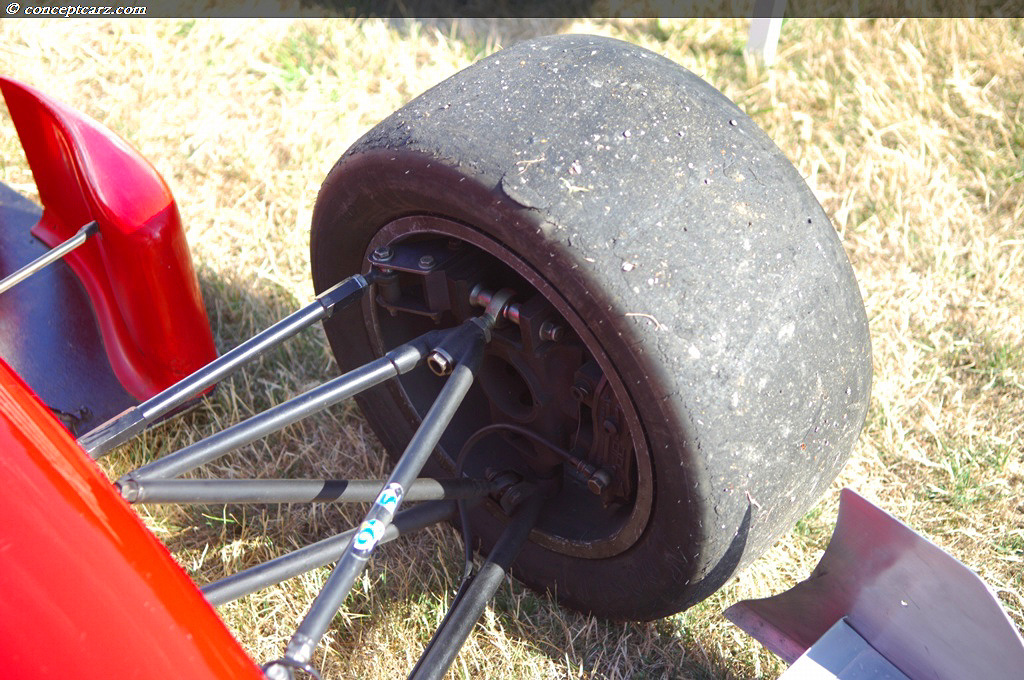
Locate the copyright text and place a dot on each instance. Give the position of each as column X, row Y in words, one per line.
column 17, row 9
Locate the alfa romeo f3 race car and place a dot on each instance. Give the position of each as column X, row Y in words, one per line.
column 626, row 437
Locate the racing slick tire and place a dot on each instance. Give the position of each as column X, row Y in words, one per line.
column 686, row 256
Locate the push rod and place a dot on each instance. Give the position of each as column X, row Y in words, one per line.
column 465, row 345
column 467, row 608
column 319, row 554
column 49, row 257
column 131, row 422
column 222, row 491
column 395, row 362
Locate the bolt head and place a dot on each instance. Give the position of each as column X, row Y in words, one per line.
column 440, row 363
column 599, row 482
column 512, row 499
column 426, row 262
column 579, row 391
column 551, row 331
column 383, row 254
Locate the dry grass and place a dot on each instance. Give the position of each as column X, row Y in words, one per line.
column 910, row 133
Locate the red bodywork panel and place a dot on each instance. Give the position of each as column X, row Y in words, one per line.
column 86, row 591
column 137, row 271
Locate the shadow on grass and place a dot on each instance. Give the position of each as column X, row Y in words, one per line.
column 664, row 648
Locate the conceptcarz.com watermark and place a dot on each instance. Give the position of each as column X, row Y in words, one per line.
column 17, row 9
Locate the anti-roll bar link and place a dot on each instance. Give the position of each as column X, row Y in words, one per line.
column 131, row 422
column 463, row 351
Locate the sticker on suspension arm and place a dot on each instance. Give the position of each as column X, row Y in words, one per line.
column 389, row 498
column 369, row 535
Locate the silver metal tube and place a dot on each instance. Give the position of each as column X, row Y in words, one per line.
column 133, row 421
column 471, row 601
column 469, row 339
column 394, row 363
column 51, row 256
column 223, row 491
column 228, row 363
column 318, row 554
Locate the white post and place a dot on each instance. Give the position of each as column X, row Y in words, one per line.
column 764, row 29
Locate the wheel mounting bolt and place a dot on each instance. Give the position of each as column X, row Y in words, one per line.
column 426, row 262
column 383, row 254
column 549, row 330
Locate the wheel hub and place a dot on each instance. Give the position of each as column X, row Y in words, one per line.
column 550, row 407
